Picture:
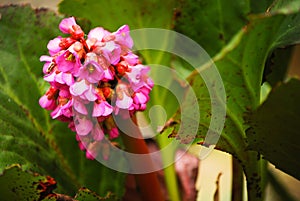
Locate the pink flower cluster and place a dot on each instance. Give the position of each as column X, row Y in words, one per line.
column 91, row 78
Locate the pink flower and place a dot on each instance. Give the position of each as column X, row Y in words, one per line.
column 85, row 75
column 64, row 108
column 53, row 46
column 69, row 26
column 113, row 133
column 66, row 25
column 79, row 106
column 91, row 70
column 123, row 37
column 68, row 62
column 48, row 104
column 60, row 77
column 83, row 90
column 124, row 100
column 98, row 33
column 71, row 126
column 112, row 52
column 138, row 76
column 131, row 59
column 48, row 60
column 108, row 74
column 102, row 109
column 97, row 133
column 83, row 125
column 140, row 97
column 91, row 151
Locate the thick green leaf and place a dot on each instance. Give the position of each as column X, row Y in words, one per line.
column 113, row 14
column 261, row 6
column 16, row 184
column 28, row 136
column 240, row 64
column 276, row 67
column 85, row 194
column 274, row 130
column 211, row 23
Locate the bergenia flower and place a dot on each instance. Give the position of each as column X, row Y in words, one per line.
column 93, row 77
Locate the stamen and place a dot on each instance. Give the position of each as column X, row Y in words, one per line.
column 91, row 68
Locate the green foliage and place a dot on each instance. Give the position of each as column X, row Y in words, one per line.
column 113, row 14
column 16, row 184
column 28, row 136
column 211, row 23
column 241, row 36
column 240, row 64
column 274, row 130
column 85, row 194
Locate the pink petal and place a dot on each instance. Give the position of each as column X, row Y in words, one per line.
column 53, row 46
column 140, row 98
column 108, row 74
column 50, row 77
column 78, row 88
column 46, row 103
column 98, row 33
column 80, row 107
column 125, row 102
column 112, row 52
column 131, row 59
column 68, row 78
column 123, row 37
column 108, row 109
column 97, row 133
column 90, row 94
column 66, row 24
column 83, row 126
column 102, row 109
column 65, row 65
column 113, row 133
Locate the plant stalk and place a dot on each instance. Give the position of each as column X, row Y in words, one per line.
column 237, row 181
column 147, row 183
column 169, row 172
column 254, row 169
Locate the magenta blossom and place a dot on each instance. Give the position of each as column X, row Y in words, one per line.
column 69, row 26
column 98, row 33
column 84, row 90
column 123, row 37
column 102, row 109
column 54, row 46
column 91, row 79
column 124, row 100
column 91, row 70
column 68, row 62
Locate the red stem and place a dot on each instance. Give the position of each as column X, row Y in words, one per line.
column 148, row 183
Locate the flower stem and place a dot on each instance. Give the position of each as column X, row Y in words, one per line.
column 169, row 171
column 147, row 183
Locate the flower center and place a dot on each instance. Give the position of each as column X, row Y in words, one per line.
column 70, row 57
column 90, row 68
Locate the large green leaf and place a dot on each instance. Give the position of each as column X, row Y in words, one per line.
column 17, row 184
column 113, row 14
column 240, row 64
column 28, row 136
column 274, row 130
column 85, row 194
column 211, row 23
